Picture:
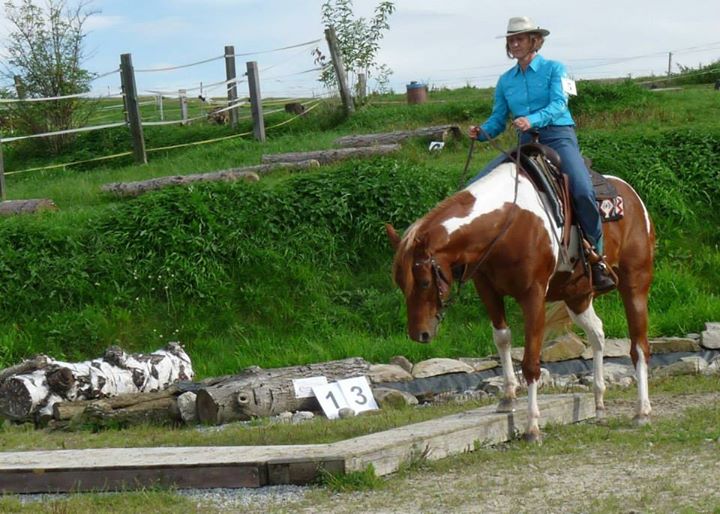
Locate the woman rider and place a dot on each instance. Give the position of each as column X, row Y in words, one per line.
column 535, row 91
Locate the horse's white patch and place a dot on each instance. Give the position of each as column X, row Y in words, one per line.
column 593, row 328
column 496, row 189
column 645, row 211
column 641, row 370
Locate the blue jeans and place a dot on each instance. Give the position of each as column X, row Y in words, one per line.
column 563, row 140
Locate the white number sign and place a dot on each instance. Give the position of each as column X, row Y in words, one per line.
column 358, row 394
column 331, row 399
column 303, row 386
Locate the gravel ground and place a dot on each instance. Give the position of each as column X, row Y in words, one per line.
column 654, row 480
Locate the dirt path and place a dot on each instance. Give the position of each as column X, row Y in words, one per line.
column 607, row 478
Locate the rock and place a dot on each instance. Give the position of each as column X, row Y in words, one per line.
column 186, row 406
column 673, row 344
column 710, row 338
column 285, row 417
column 517, row 353
column 685, row 366
column 300, row 416
column 394, row 398
column 615, row 373
column 481, row 364
column 613, row 348
column 439, row 366
column 403, row 362
column 346, row 412
column 712, row 326
column 388, row 373
column 566, row 347
column 713, row 368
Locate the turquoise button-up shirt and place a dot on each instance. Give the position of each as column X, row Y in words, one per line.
column 536, row 94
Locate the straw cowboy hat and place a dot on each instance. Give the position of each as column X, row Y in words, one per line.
column 522, row 25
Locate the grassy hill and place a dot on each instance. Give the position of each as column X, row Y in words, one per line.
column 296, row 268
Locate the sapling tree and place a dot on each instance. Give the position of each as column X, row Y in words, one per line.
column 45, row 55
column 358, row 40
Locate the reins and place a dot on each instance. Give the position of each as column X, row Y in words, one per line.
column 465, row 275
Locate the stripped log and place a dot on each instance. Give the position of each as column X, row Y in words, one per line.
column 10, row 207
column 439, row 133
column 248, row 173
column 63, row 411
column 332, row 155
column 31, row 396
column 258, row 392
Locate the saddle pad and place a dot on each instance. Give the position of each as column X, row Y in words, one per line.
column 611, row 209
column 609, row 202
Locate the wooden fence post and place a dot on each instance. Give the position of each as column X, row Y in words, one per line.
column 127, row 75
column 232, row 84
column 2, row 175
column 182, row 97
column 256, row 101
column 159, row 103
column 336, row 56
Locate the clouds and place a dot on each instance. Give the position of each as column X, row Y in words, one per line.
column 447, row 43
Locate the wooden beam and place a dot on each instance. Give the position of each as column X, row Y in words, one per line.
column 256, row 466
column 440, row 133
column 29, row 206
column 249, row 173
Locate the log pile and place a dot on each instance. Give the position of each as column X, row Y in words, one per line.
column 30, row 390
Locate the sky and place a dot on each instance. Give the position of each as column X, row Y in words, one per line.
column 449, row 43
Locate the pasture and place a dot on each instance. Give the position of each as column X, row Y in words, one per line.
column 296, row 268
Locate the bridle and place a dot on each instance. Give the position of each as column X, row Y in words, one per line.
column 438, row 277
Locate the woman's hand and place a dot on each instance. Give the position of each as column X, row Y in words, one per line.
column 522, row 124
column 473, row 132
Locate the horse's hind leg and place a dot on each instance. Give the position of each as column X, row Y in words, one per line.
column 634, row 294
column 583, row 315
column 501, row 337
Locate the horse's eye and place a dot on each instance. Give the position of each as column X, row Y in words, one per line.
column 424, row 284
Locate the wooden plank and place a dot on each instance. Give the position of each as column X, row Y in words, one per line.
column 112, row 479
column 455, row 434
column 301, row 470
column 256, row 466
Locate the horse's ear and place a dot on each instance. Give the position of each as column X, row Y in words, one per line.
column 392, row 235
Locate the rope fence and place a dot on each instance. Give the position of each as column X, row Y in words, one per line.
column 218, row 101
column 228, row 108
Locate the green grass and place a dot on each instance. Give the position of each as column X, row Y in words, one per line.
column 296, row 268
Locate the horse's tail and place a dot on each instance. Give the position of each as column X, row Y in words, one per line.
column 557, row 320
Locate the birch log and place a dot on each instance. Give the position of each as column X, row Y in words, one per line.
column 31, row 396
column 257, row 392
column 249, row 173
column 439, row 133
column 327, row 156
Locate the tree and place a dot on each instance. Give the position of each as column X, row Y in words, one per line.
column 45, row 56
column 358, row 39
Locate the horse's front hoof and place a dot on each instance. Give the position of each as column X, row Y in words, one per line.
column 641, row 420
column 533, row 437
column 600, row 417
column 506, row 405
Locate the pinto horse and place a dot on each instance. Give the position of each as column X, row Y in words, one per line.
column 498, row 233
